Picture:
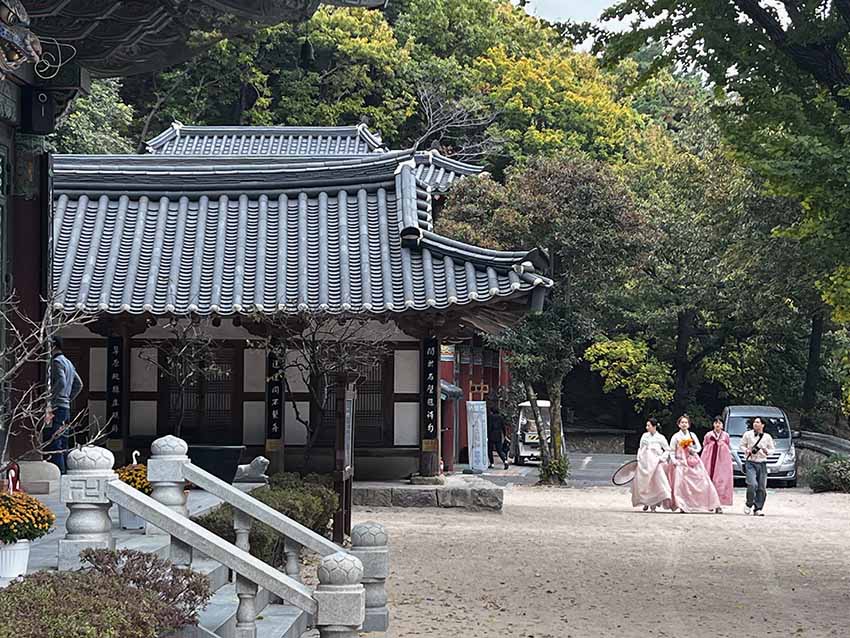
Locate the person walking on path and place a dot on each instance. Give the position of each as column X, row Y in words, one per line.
column 717, row 458
column 495, row 434
column 65, row 385
column 756, row 444
column 691, row 487
column 650, row 486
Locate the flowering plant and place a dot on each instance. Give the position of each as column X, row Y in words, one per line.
column 686, row 443
column 136, row 475
column 23, row 517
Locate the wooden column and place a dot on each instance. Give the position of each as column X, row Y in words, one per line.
column 429, row 452
column 275, row 410
column 343, row 457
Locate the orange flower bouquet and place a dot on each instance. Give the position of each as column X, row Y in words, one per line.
column 686, row 443
column 23, row 517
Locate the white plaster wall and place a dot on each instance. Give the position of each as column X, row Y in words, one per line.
column 406, row 417
column 97, row 370
column 296, row 382
column 143, row 418
column 143, row 373
column 254, row 423
column 294, row 431
column 97, row 415
column 406, row 368
column 255, row 371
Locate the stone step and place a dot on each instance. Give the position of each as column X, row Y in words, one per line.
column 281, row 621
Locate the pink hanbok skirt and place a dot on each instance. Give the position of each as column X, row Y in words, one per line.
column 690, row 485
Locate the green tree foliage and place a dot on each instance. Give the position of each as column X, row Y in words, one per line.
column 786, row 64
column 97, row 123
column 628, row 364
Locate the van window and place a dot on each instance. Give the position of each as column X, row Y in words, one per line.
column 777, row 426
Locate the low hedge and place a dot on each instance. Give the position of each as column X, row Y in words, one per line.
column 830, row 475
column 306, row 501
column 125, row 594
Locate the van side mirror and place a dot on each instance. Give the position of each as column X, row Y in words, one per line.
column 796, row 434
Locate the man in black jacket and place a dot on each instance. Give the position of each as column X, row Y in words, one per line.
column 495, row 433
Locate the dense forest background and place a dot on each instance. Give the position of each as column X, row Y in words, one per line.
column 697, row 220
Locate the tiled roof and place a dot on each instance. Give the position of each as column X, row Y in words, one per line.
column 299, row 143
column 312, row 141
column 178, row 235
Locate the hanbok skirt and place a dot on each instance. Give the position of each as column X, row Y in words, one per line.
column 691, row 486
column 650, row 486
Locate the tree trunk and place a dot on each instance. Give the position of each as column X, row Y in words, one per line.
column 545, row 457
column 555, row 423
column 810, row 387
column 682, row 363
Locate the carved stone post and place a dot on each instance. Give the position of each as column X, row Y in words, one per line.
column 292, row 553
column 246, row 591
column 165, row 473
column 83, row 490
column 340, row 596
column 369, row 543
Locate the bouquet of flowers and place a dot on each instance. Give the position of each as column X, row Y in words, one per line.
column 23, row 517
column 686, row 443
column 136, row 475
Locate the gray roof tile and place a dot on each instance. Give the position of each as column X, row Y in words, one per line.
column 316, row 143
column 179, row 235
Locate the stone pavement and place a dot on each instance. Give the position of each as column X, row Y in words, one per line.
column 465, row 491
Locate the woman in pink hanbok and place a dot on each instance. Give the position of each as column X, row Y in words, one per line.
column 650, row 486
column 717, row 459
column 691, row 486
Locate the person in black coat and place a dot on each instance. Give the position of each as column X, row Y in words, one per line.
column 495, row 433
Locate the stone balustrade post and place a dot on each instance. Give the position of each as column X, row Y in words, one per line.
column 246, row 590
column 83, row 490
column 165, row 473
column 292, row 554
column 340, row 596
column 369, row 543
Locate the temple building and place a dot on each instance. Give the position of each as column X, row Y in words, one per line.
column 244, row 226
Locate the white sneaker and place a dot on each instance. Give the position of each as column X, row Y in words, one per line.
column 747, row 511
column 758, row 513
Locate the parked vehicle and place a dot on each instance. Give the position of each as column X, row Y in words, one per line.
column 782, row 463
column 525, row 440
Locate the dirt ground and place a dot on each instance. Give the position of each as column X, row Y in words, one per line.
column 580, row 563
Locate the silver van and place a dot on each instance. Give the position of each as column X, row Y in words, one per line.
column 782, row 463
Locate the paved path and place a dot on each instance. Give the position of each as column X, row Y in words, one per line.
column 585, row 470
column 581, row 563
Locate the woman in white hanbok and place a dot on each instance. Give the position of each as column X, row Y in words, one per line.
column 650, row 486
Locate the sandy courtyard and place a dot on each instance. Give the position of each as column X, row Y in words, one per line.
column 580, row 563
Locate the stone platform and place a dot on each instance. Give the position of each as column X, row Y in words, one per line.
column 459, row 490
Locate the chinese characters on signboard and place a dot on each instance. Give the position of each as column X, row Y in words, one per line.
column 274, row 395
column 430, row 387
column 114, row 382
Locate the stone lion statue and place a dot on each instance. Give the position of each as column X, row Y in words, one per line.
column 254, row 472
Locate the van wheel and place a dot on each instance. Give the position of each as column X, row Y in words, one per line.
column 519, row 460
column 791, row 483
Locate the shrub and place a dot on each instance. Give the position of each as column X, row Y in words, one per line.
column 82, row 604
column 183, row 592
column 830, row 475
column 308, row 503
column 136, row 475
column 23, row 517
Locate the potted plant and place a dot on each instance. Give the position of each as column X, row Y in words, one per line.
column 135, row 475
column 23, row 518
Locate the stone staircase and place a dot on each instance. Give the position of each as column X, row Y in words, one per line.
column 251, row 598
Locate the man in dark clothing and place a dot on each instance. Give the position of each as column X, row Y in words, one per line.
column 65, row 385
column 495, row 433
